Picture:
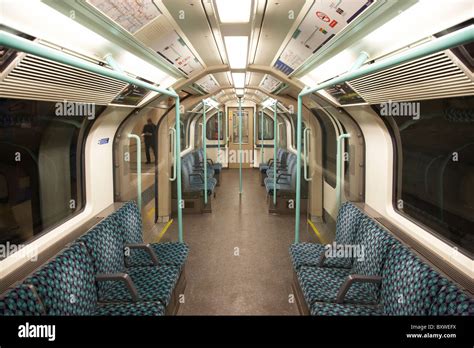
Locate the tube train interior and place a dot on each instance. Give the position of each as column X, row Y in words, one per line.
column 188, row 158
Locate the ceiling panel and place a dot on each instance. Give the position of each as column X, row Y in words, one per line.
column 195, row 27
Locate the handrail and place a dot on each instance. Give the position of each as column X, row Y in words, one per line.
column 20, row 44
column 275, row 146
column 262, row 156
column 172, row 132
column 447, row 41
column 305, row 145
column 339, row 172
column 240, row 145
column 218, row 136
column 139, row 169
column 204, row 147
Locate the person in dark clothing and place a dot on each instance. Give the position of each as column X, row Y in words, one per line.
column 149, row 134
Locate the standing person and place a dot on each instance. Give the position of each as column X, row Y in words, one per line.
column 149, row 133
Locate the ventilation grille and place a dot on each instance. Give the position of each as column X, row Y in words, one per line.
column 42, row 79
column 431, row 77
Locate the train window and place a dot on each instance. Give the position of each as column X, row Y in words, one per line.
column 267, row 128
column 293, row 120
column 436, row 174
column 329, row 143
column 212, row 130
column 245, row 127
column 40, row 165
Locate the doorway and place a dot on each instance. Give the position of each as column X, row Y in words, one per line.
column 247, row 138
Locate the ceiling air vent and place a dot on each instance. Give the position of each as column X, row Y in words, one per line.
column 436, row 76
column 36, row 78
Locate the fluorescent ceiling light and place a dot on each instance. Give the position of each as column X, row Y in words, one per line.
column 211, row 102
column 239, row 80
column 239, row 91
column 232, row 11
column 237, row 49
column 269, row 102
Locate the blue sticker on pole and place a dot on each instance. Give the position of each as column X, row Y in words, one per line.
column 103, row 141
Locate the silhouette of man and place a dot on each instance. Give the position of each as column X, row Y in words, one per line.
column 149, row 134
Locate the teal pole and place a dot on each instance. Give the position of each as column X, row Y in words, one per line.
column 459, row 37
column 226, row 136
column 27, row 46
column 139, row 170
column 218, row 136
column 204, row 146
column 339, row 174
column 178, row 168
column 261, row 139
column 275, row 131
column 240, row 145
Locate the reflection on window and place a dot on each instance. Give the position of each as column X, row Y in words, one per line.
column 245, row 127
column 436, row 179
column 267, row 127
column 329, row 142
column 212, row 128
column 40, row 165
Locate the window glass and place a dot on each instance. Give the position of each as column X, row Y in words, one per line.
column 40, row 165
column 267, row 127
column 245, row 127
column 329, row 141
column 436, row 155
column 212, row 128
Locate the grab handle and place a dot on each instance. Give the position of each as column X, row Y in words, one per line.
column 305, row 146
column 172, row 132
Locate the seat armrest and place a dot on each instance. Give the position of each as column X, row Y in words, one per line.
column 282, row 175
column 123, row 277
column 147, row 248
column 355, row 278
column 321, row 260
column 197, row 175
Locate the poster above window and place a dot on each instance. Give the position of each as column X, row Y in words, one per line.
column 130, row 15
column 323, row 21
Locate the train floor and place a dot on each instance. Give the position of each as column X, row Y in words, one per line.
column 238, row 262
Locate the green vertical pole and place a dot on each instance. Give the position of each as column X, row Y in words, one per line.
column 275, row 146
column 178, row 168
column 262, row 137
column 218, row 136
column 139, row 169
column 240, row 145
column 204, row 147
column 298, row 168
column 226, row 136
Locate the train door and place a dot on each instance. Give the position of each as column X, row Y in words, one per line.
column 247, row 138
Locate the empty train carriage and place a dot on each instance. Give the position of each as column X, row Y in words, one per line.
column 251, row 157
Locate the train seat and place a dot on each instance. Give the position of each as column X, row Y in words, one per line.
column 281, row 161
column 130, row 222
column 193, row 179
column 21, row 300
column 117, row 283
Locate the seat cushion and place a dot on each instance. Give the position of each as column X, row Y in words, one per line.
column 169, row 253
column 131, row 309
column 66, row 284
column 152, row 283
column 322, row 284
column 452, row 301
column 336, row 309
column 22, row 300
column 305, row 254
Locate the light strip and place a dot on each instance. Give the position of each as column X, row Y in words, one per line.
column 239, row 80
column 237, row 50
column 232, row 11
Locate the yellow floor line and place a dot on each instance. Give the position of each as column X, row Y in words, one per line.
column 316, row 232
column 163, row 231
column 151, row 210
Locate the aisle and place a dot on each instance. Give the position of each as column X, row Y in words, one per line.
column 239, row 262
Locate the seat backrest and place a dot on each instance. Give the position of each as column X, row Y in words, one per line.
column 451, row 300
column 21, row 300
column 66, row 284
column 186, row 168
column 104, row 244
column 409, row 285
column 129, row 221
column 348, row 222
column 374, row 243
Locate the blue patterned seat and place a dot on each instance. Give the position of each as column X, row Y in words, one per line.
column 450, row 300
column 105, row 244
column 21, row 300
column 130, row 223
column 66, row 286
column 348, row 222
column 336, row 309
